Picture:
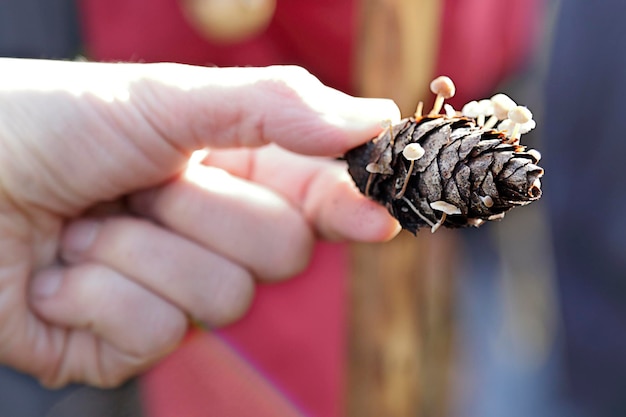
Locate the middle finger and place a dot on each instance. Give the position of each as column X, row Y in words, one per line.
column 242, row 221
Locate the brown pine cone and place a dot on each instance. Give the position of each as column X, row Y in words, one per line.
column 446, row 170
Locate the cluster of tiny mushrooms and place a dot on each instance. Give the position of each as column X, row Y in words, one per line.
column 500, row 110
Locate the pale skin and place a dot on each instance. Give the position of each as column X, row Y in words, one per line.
column 110, row 239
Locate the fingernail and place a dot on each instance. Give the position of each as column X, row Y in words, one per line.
column 385, row 108
column 375, row 110
column 78, row 237
column 47, row 283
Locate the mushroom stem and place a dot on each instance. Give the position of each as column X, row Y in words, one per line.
column 389, row 124
column 486, row 109
column 445, row 209
column 419, row 110
column 412, row 152
column 519, row 115
column 368, row 184
column 437, row 225
column 406, row 180
column 416, row 211
column 515, row 135
column 374, row 168
column 491, row 122
column 438, row 105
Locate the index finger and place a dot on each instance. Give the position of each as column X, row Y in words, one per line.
column 318, row 187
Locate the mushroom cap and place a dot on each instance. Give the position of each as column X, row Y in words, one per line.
column 477, row 108
column 413, row 151
column 443, row 86
column 445, row 207
column 487, row 201
column 520, row 114
column 502, row 104
column 486, row 107
column 450, row 112
column 374, row 168
column 471, row 109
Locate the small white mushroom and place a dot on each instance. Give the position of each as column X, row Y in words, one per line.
column 502, row 104
column 444, row 88
column 486, row 109
column 449, row 110
column 471, row 109
column 508, row 125
column 375, row 168
column 446, row 209
column 478, row 110
column 387, row 125
column 412, row 152
column 519, row 115
column 487, row 201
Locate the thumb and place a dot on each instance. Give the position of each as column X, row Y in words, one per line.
column 286, row 105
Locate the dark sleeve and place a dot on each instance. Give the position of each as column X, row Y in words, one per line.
column 38, row 29
column 585, row 185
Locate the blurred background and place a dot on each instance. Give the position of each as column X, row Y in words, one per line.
column 521, row 317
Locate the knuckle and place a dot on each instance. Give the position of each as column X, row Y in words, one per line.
column 289, row 250
column 52, row 383
column 292, row 74
column 288, row 82
column 113, row 380
column 116, row 232
column 230, row 299
column 291, row 253
column 169, row 332
column 53, row 376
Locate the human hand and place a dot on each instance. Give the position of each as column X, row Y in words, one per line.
column 110, row 237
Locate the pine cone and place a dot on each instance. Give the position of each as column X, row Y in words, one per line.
column 446, row 170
